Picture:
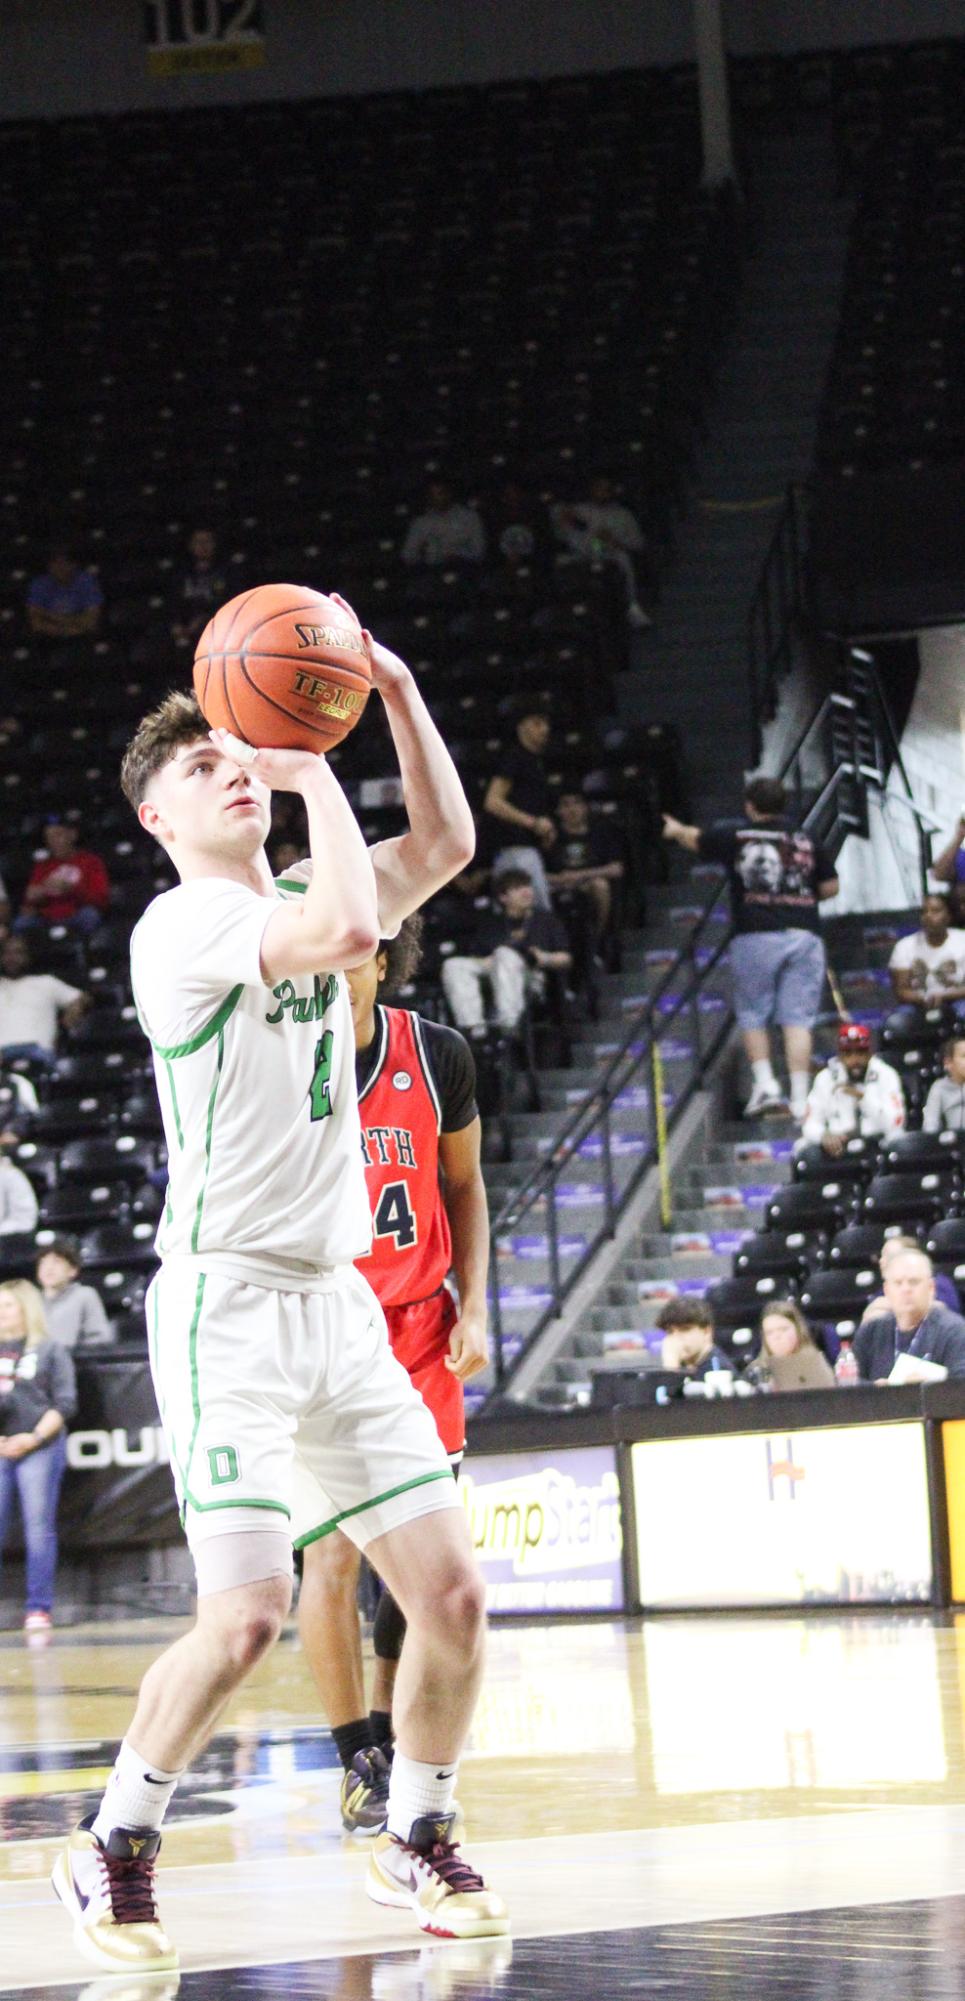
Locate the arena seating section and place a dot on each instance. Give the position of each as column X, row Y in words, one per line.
column 895, row 395
column 278, row 322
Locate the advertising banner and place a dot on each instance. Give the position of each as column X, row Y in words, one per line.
column 546, row 1529
column 203, row 37
column 830, row 1516
column 118, row 1488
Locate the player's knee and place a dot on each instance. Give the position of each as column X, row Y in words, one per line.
column 251, row 1633
column 461, row 1607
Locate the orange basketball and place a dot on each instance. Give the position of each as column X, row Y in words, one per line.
column 284, row 668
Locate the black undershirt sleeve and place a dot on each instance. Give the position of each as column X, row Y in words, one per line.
column 454, row 1074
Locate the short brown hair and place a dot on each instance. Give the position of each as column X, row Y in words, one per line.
column 766, row 795
column 177, row 720
column 684, row 1312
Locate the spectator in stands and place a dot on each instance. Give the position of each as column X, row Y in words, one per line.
column 785, row 1332
column 518, row 529
column 602, row 530
column 857, row 1092
column 949, row 867
column 38, row 1398
column 18, row 1202
column 64, row 604
column 584, row 866
column 687, row 1326
column 18, row 1096
column 928, row 968
column 946, row 1291
column 778, row 876
column 515, row 947
column 203, row 587
column 74, row 1313
column 448, row 531
column 31, row 1005
column 914, row 1329
column 69, row 886
column 945, row 1104
column 284, row 855
column 518, row 797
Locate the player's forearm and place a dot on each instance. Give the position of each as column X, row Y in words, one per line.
column 340, row 905
column 468, row 1213
column 441, row 825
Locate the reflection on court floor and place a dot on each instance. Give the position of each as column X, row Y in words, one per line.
column 625, row 1785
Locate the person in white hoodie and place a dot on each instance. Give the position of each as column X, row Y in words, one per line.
column 856, row 1093
column 18, row 1203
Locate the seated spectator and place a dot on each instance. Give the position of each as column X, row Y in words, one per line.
column 203, row 587
column 515, row 947
column 945, row 1104
column 949, row 867
column 583, row 867
column 31, row 1005
column 914, row 1328
column 777, row 877
column 65, row 602
column 448, row 531
column 38, row 1398
column 74, row 1313
column 857, row 1092
column 18, row 1096
column 519, row 528
column 785, row 1332
column 946, row 1291
column 687, row 1326
column 928, row 968
column 69, row 886
column 18, row 1202
column 519, row 798
column 602, row 530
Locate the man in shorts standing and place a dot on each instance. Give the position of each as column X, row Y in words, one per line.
column 282, row 1404
column 778, row 876
column 420, row 1144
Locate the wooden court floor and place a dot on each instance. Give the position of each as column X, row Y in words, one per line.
column 680, row 1806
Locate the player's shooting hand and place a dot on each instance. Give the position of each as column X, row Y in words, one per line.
column 468, row 1346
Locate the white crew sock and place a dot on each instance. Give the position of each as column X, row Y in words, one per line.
column 417, row 1790
column 763, row 1076
column 800, row 1082
column 137, row 1794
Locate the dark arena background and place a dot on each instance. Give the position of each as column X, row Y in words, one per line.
column 610, row 361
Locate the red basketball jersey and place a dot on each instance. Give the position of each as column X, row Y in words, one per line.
column 401, row 1118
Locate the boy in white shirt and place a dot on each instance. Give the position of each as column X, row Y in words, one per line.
column 928, row 968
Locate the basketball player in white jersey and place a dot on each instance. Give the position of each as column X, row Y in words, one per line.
column 282, row 1404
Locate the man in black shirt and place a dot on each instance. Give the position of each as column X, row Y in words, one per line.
column 778, row 875
column 585, row 865
column 516, row 945
column 518, row 804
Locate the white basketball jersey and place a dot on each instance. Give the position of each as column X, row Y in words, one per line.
column 257, row 1089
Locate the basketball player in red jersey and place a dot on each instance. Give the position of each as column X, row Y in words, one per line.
column 420, row 1144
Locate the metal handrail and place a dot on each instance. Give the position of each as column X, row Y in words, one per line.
column 654, row 1020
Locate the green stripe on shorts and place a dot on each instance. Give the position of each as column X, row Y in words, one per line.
column 422, row 1480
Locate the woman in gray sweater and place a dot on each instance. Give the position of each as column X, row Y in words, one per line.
column 38, row 1397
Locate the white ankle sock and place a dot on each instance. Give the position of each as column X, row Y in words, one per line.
column 416, row 1790
column 137, row 1794
column 800, row 1082
column 762, row 1075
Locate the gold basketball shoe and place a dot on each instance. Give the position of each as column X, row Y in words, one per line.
column 109, row 1892
column 428, row 1875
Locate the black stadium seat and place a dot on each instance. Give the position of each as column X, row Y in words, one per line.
column 861, row 1243
column 128, row 1244
column 907, row 1152
column 856, row 1163
column 812, row 1206
column 774, row 1255
column 909, row 1198
column 839, row 1297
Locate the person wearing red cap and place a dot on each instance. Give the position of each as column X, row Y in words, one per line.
column 857, row 1092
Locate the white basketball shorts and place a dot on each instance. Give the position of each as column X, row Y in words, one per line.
column 288, row 1407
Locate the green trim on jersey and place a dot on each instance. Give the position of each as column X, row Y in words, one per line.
column 193, row 1366
column 421, row 1480
column 297, row 888
column 196, row 1231
column 211, row 1028
column 206, row 1507
column 174, row 1101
